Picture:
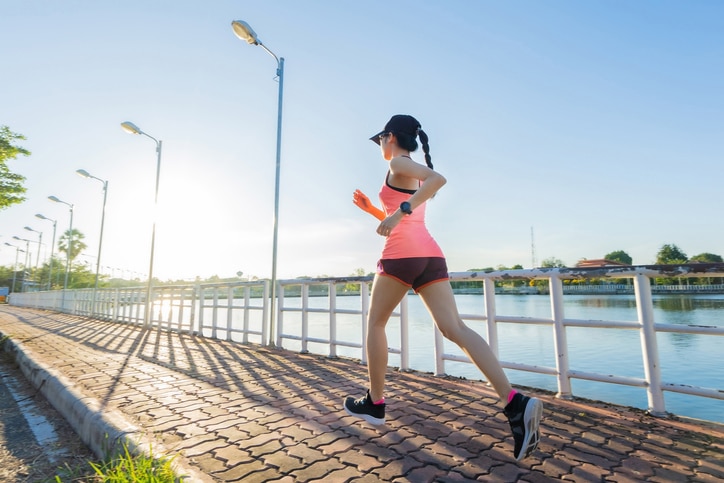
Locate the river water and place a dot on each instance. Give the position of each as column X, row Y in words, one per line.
column 685, row 358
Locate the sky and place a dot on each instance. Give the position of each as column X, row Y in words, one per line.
column 565, row 129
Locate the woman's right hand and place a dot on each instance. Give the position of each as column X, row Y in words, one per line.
column 363, row 202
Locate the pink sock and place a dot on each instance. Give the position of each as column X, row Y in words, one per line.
column 377, row 403
column 511, row 395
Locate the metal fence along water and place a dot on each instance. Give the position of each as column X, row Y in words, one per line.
column 328, row 316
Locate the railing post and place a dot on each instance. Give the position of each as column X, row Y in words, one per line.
column 215, row 313
column 438, row 351
column 195, row 296
column 247, row 296
column 265, row 316
column 279, row 321
column 305, row 318
column 559, row 333
column 202, row 310
column 229, row 310
column 489, row 291
column 116, row 303
column 364, row 291
column 332, row 289
column 649, row 347
column 404, row 335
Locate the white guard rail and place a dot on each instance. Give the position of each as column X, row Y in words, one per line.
column 239, row 311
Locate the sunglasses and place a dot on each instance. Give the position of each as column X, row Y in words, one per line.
column 383, row 135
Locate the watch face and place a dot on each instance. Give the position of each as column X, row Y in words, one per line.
column 405, row 207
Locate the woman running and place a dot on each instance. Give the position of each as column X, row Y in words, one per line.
column 412, row 259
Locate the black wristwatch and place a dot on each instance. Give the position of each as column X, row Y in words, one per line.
column 406, row 208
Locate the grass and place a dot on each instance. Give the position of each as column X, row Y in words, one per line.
column 127, row 468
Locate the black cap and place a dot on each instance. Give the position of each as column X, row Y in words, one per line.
column 399, row 123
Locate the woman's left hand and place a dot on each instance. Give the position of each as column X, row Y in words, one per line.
column 389, row 223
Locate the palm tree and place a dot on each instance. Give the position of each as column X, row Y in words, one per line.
column 78, row 245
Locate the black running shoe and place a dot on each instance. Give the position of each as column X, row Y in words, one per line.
column 363, row 408
column 524, row 414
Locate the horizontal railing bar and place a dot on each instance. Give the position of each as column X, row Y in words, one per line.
column 523, row 320
column 550, row 371
column 690, row 329
column 694, row 390
column 601, row 324
column 592, row 376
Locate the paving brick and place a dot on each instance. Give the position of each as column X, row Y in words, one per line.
column 240, row 471
column 283, row 462
column 317, row 470
column 204, row 448
column 341, row 475
column 363, row 462
column 424, row 474
column 208, row 463
column 590, row 473
column 231, row 454
column 306, row 454
column 397, row 468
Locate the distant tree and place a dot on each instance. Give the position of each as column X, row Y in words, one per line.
column 552, row 262
column 619, row 256
column 11, row 184
column 670, row 255
column 706, row 258
column 78, row 244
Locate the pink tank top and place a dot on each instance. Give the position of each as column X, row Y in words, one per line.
column 410, row 237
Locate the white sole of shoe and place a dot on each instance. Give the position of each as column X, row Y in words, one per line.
column 531, row 419
column 370, row 419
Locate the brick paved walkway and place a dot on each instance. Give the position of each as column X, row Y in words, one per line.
column 246, row 413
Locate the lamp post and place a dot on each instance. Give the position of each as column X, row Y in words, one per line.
column 86, row 174
column 25, row 261
column 69, row 248
column 52, row 248
column 131, row 128
column 15, row 267
column 40, row 242
column 244, row 31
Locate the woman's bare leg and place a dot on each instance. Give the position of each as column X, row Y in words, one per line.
column 386, row 295
column 440, row 302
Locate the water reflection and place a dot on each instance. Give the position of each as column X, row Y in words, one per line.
column 688, row 303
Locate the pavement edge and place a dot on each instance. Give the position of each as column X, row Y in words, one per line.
column 104, row 431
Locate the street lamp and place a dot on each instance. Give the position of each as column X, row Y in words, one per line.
column 52, row 248
column 25, row 260
column 15, row 267
column 86, row 174
column 69, row 248
column 131, row 128
column 244, row 31
column 40, row 242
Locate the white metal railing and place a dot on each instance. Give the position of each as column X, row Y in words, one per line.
column 239, row 311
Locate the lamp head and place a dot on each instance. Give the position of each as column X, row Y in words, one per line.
column 54, row 198
column 131, row 128
column 244, row 31
column 28, row 228
column 42, row 217
column 83, row 173
column 17, row 238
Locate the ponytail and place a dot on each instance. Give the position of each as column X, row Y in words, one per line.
column 425, row 147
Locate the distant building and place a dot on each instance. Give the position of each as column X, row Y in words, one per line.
column 600, row 262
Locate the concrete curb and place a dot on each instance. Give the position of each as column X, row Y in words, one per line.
column 104, row 431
